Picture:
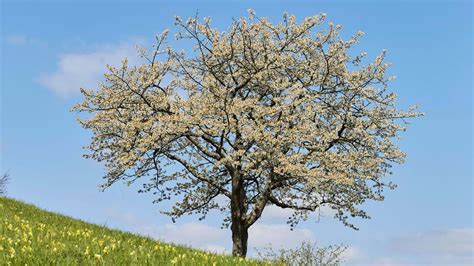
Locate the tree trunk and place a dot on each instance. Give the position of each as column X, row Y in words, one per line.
column 239, row 238
column 239, row 226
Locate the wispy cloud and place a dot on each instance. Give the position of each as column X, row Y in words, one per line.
column 197, row 235
column 21, row 40
column 437, row 247
column 16, row 39
column 279, row 235
column 86, row 69
column 355, row 256
column 451, row 246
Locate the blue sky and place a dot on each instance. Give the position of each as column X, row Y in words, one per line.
column 49, row 49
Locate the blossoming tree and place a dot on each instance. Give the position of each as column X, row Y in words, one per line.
column 261, row 114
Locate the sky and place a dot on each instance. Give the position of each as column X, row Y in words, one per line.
column 49, row 49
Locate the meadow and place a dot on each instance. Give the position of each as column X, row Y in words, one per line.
column 31, row 236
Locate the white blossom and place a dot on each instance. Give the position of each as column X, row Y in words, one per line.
column 263, row 114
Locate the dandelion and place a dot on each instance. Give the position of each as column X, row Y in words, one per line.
column 87, row 251
column 12, row 252
column 97, row 256
column 174, row 260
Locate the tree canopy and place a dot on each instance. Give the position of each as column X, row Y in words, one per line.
column 260, row 114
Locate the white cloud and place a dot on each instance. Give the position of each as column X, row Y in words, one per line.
column 275, row 212
column 437, row 247
column 278, row 235
column 353, row 255
column 130, row 222
column 356, row 256
column 451, row 246
column 198, row 235
column 86, row 69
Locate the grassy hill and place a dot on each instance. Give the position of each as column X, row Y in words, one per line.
column 29, row 235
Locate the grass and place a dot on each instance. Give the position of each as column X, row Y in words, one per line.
column 29, row 235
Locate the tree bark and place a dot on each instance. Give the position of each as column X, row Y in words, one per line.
column 239, row 226
column 239, row 238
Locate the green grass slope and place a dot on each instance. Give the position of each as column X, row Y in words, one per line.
column 29, row 235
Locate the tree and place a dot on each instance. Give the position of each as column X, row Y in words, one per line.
column 3, row 183
column 258, row 115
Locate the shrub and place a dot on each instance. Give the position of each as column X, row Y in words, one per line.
column 306, row 254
